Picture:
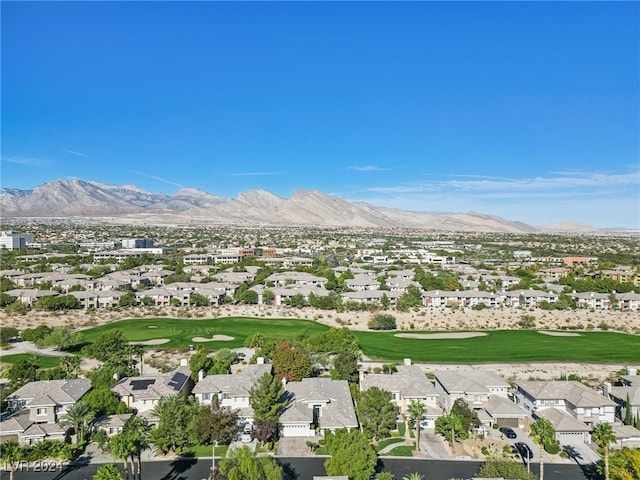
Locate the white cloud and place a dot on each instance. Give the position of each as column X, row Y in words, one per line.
column 366, row 168
column 159, row 179
column 27, row 161
column 77, row 154
column 252, row 174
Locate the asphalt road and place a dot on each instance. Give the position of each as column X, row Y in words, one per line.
column 303, row 468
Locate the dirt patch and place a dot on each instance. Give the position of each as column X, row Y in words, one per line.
column 215, row 338
column 560, row 334
column 441, row 336
column 155, row 341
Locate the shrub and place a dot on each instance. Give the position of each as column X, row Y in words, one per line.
column 383, row 321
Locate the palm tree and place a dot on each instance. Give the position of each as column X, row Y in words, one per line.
column 416, row 409
column 70, row 364
column 77, row 415
column 11, row 454
column 604, row 436
column 450, row 426
column 137, row 432
column 413, row 476
column 108, row 472
column 121, row 448
column 543, row 433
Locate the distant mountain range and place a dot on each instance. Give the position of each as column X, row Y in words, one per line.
column 78, row 198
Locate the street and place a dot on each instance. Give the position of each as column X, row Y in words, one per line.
column 301, row 468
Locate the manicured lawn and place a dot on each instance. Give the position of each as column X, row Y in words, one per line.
column 388, row 441
column 43, row 362
column 506, row 346
column 206, row 450
column 501, row 346
column 181, row 332
column 401, row 451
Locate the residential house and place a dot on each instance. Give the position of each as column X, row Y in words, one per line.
column 295, row 278
column 98, row 299
column 143, row 393
column 568, row 429
column 362, row 282
column 582, row 402
column 35, row 410
column 628, row 301
column 317, row 404
column 408, row 384
column 30, row 296
column 111, row 424
column 474, row 386
column 528, row 298
column 592, row 300
column 232, row 390
column 625, row 397
column 626, row 436
column 371, row 297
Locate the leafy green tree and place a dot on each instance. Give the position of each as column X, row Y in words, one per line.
column 127, row 300
column 16, row 308
column 345, row 367
column 59, row 302
column 250, row 297
column 603, row 436
column 23, row 371
column 7, row 333
column 103, row 401
column 468, row 416
column 108, row 472
column 243, row 464
column 200, row 361
column 70, row 365
column 417, row 410
column 198, row 300
column 376, row 412
column 266, row 398
column 216, row 424
column 625, row 464
column 351, row 455
column 35, row 334
column 60, row 337
column 178, row 424
column 290, row 363
column 5, row 299
column 543, row 434
column 78, row 416
column 504, row 468
column 12, row 454
column 335, row 340
column 450, row 426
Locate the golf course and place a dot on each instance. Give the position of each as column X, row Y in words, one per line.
column 491, row 346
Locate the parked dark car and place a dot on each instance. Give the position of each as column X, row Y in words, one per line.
column 508, row 432
column 524, row 450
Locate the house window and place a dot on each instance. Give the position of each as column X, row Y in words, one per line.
column 206, row 396
column 225, row 396
column 41, row 411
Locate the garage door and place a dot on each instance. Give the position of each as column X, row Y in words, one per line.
column 508, row 422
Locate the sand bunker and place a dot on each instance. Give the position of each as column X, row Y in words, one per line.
column 152, row 326
column 441, row 336
column 155, row 341
column 215, row 338
column 560, row 334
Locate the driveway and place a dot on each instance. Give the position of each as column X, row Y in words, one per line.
column 433, row 445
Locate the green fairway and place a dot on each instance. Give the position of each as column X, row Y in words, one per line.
column 501, row 346
column 506, row 346
column 182, row 332
column 43, row 362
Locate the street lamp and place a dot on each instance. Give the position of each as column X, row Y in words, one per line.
column 213, row 460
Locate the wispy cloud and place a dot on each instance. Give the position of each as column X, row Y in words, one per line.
column 27, row 161
column 565, row 184
column 159, row 179
column 252, row 174
column 77, row 154
column 366, row 168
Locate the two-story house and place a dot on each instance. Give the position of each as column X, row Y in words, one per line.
column 408, row 384
column 232, row 390
column 474, row 386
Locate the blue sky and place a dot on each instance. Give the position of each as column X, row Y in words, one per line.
column 528, row 111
